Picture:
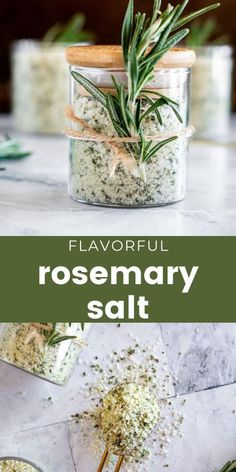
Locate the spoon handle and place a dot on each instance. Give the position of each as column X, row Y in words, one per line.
column 103, row 460
column 119, row 463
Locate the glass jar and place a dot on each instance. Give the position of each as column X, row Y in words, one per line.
column 104, row 171
column 13, row 464
column 40, row 86
column 211, row 90
column 37, row 349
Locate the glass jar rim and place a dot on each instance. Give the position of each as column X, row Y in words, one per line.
column 20, row 459
column 162, row 70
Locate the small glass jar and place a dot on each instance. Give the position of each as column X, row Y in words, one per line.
column 32, row 348
column 13, row 464
column 40, row 86
column 212, row 90
column 103, row 172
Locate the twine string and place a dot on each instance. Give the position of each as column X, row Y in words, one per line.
column 89, row 134
column 116, row 143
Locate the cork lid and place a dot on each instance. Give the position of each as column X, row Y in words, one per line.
column 112, row 57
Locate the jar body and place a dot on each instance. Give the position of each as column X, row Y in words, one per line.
column 105, row 173
column 11, row 464
column 25, row 346
column 40, row 86
column 211, row 90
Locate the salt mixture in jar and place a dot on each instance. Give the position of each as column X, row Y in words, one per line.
column 15, row 464
column 49, row 351
column 211, row 90
column 104, row 167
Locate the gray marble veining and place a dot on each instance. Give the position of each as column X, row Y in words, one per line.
column 34, row 199
column 200, row 355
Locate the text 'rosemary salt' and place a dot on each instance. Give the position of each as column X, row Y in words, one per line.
column 134, row 306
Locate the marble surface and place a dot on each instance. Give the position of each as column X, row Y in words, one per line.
column 34, row 199
column 207, row 442
column 197, row 366
column 192, row 353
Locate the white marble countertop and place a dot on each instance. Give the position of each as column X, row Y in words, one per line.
column 198, row 361
column 34, row 199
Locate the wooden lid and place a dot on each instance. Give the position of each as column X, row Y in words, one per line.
column 112, row 57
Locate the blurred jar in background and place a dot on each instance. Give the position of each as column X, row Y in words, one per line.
column 211, row 90
column 40, row 86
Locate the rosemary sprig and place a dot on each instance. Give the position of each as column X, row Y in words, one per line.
column 229, row 467
column 71, row 32
column 144, row 42
column 11, row 149
column 55, row 337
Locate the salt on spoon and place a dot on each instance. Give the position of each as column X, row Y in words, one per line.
column 129, row 414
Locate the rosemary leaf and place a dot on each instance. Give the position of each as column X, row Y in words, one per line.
column 111, row 107
column 56, row 339
column 90, row 87
column 186, row 19
column 127, row 30
column 123, row 106
column 229, row 467
column 156, row 111
column 173, row 19
column 153, row 108
column 157, row 147
column 176, row 38
column 138, row 116
column 158, row 94
column 156, row 11
column 177, row 114
column 53, row 337
column 133, row 72
column 137, row 36
column 166, row 25
column 153, row 56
